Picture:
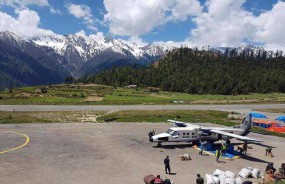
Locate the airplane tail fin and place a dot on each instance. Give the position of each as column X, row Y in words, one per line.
column 246, row 124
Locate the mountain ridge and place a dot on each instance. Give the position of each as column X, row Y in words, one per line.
column 80, row 55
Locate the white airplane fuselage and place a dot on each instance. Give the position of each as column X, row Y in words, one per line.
column 190, row 134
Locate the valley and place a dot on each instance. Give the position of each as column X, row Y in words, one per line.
column 94, row 94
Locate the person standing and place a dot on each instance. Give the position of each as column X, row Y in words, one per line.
column 203, row 144
column 199, row 179
column 150, row 134
column 245, row 147
column 167, row 165
column 224, row 147
column 218, row 154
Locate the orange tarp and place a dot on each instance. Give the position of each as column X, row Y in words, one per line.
column 265, row 121
column 274, row 128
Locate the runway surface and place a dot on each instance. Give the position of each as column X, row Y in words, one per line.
column 237, row 108
column 108, row 153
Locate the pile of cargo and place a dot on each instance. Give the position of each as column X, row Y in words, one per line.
column 228, row 177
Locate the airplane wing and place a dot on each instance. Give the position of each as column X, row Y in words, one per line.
column 243, row 138
column 182, row 124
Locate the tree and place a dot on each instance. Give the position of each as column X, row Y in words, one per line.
column 69, row 80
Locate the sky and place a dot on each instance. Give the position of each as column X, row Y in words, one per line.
column 202, row 22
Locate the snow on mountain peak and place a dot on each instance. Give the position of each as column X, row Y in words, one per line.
column 89, row 46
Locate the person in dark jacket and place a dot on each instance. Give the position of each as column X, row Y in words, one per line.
column 270, row 167
column 199, row 179
column 150, row 134
column 167, row 165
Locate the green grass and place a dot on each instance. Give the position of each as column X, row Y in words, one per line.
column 282, row 110
column 78, row 93
column 49, row 117
column 132, row 95
column 216, row 117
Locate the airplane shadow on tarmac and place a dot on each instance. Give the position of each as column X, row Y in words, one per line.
column 253, row 159
column 264, row 145
column 179, row 146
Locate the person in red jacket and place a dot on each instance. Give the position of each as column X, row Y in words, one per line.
column 158, row 180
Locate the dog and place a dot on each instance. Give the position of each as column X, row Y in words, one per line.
column 185, row 157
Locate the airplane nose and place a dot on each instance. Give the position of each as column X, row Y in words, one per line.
column 150, row 139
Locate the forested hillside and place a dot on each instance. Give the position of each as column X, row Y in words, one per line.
column 17, row 68
column 202, row 72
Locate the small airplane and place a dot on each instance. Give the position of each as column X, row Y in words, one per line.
column 187, row 132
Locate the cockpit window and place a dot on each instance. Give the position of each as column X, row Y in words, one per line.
column 169, row 131
column 172, row 132
column 176, row 133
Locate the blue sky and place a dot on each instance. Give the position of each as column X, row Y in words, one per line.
column 214, row 22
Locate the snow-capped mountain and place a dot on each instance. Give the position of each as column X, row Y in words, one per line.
column 79, row 48
column 63, row 55
column 80, row 55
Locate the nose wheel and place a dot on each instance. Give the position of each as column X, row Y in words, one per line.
column 159, row 144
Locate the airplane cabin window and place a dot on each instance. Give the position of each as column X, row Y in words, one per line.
column 183, row 133
column 187, row 133
column 193, row 133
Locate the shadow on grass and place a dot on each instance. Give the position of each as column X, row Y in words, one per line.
column 110, row 119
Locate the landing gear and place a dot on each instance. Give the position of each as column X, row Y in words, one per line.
column 159, row 144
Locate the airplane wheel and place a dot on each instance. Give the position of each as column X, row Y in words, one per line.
column 159, row 144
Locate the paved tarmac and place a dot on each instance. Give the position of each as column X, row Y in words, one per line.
column 237, row 108
column 107, row 153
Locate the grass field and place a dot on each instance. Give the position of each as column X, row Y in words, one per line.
column 93, row 94
column 271, row 110
column 215, row 117
column 49, row 117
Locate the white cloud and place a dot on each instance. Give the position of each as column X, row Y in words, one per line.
column 25, row 25
column 83, row 12
column 136, row 17
column 272, row 28
column 227, row 23
column 223, row 24
column 79, row 11
column 22, row 4
column 182, row 9
column 137, row 41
